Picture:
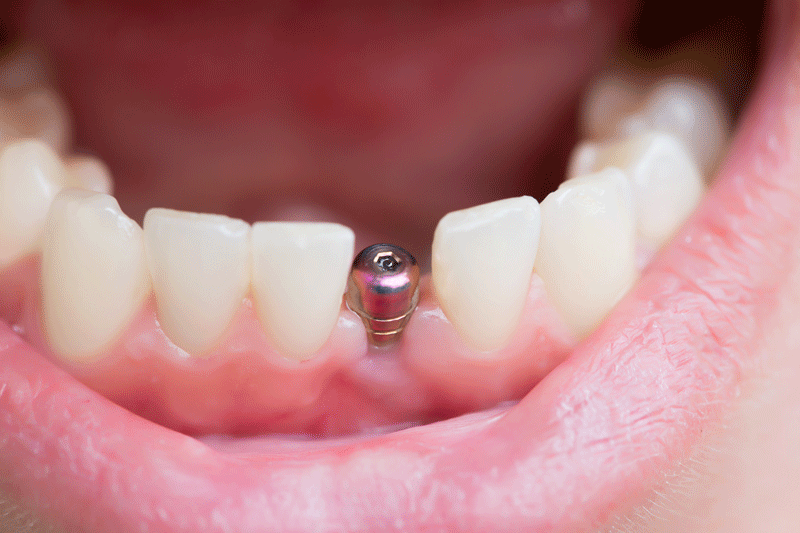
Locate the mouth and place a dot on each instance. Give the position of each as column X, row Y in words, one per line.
column 566, row 360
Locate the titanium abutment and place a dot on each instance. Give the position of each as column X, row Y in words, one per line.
column 383, row 289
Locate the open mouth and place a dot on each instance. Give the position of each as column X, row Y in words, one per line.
column 568, row 357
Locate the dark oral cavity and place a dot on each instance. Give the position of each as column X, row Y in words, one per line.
column 589, row 441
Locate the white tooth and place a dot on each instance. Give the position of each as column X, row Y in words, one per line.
column 587, row 249
column 31, row 174
column 667, row 185
column 43, row 114
column 300, row 271
column 481, row 268
column 94, row 277
column 90, row 173
column 606, row 102
column 200, row 266
column 583, row 159
column 689, row 109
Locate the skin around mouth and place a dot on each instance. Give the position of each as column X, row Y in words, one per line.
column 621, row 421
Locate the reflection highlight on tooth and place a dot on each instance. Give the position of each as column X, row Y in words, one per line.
column 31, row 175
column 618, row 106
column 200, row 267
column 482, row 260
column 299, row 276
column 666, row 182
column 587, row 248
column 691, row 110
column 93, row 275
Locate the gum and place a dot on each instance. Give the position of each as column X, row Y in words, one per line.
column 245, row 387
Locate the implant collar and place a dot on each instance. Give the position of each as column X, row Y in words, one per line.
column 383, row 289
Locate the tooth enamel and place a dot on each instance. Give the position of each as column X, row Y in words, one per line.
column 584, row 159
column 93, row 277
column 89, row 173
column 481, row 268
column 608, row 99
column 586, row 253
column 299, row 275
column 42, row 114
column 200, row 267
column 31, row 174
column 692, row 111
column 666, row 183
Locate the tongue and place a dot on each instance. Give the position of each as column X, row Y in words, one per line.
column 394, row 114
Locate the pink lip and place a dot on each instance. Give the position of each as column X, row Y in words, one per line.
column 593, row 438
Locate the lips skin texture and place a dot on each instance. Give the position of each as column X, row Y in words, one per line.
column 615, row 426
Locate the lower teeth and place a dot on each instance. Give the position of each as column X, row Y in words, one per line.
column 483, row 258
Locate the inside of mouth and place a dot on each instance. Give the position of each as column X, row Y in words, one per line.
column 721, row 48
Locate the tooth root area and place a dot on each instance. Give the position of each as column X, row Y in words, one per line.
column 587, row 253
column 200, row 268
column 666, row 182
column 93, row 277
column 31, row 174
column 300, row 271
column 482, row 261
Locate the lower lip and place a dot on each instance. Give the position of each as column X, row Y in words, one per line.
column 591, row 440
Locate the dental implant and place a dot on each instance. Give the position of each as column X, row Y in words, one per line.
column 383, row 289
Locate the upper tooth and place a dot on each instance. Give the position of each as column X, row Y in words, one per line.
column 584, row 159
column 667, row 185
column 608, row 99
column 200, row 266
column 42, row 113
column 93, row 275
column 31, row 174
column 299, row 275
column 481, row 268
column 90, row 173
column 689, row 109
column 586, row 253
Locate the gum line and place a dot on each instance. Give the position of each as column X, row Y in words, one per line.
column 245, row 386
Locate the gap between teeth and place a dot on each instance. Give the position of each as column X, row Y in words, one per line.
column 629, row 189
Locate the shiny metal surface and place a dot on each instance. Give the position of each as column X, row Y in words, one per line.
column 383, row 289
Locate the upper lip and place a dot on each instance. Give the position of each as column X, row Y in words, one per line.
column 591, row 439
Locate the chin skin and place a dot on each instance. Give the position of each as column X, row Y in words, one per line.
column 743, row 474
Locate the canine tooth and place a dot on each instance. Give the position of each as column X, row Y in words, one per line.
column 481, row 267
column 300, row 271
column 667, row 185
column 586, row 253
column 31, row 175
column 94, row 276
column 689, row 109
column 200, row 267
column 89, row 173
